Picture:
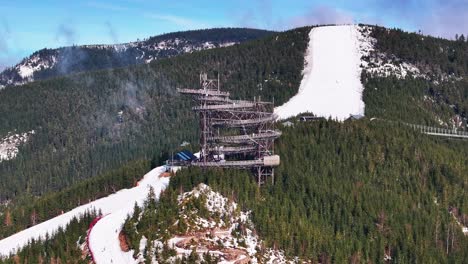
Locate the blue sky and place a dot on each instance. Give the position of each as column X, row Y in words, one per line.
column 27, row 26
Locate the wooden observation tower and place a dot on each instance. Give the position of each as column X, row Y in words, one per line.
column 234, row 133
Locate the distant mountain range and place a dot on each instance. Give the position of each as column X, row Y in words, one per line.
column 48, row 63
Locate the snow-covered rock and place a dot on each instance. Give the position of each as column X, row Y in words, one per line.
column 9, row 144
column 381, row 64
column 225, row 232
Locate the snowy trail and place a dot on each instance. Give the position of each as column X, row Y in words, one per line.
column 116, row 205
column 104, row 237
column 331, row 85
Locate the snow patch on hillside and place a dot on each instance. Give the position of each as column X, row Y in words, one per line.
column 28, row 67
column 380, row 64
column 9, row 144
column 225, row 232
column 331, row 85
column 102, row 239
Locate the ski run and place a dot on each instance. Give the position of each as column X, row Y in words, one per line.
column 331, row 85
column 114, row 207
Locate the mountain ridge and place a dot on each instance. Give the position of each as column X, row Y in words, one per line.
column 47, row 63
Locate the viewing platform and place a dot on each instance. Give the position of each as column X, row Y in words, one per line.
column 205, row 92
column 246, row 138
column 246, row 122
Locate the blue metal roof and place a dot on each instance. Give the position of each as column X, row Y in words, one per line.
column 184, row 155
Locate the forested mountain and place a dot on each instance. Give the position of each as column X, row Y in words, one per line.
column 355, row 192
column 363, row 191
column 88, row 123
column 436, row 93
column 48, row 63
column 371, row 190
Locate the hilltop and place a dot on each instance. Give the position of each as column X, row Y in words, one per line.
column 49, row 63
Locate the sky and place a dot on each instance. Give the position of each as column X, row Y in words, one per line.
column 27, row 26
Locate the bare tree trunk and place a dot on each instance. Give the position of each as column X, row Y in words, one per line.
column 447, row 243
column 453, row 235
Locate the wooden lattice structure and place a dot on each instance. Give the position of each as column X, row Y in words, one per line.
column 234, row 133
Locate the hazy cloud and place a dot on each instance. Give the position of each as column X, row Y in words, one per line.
column 112, row 32
column 442, row 18
column 66, row 33
column 321, row 15
column 265, row 9
column 6, row 26
column 5, row 33
column 446, row 19
column 262, row 16
column 246, row 19
column 183, row 22
column 3, row 44
column 7, row 61
column 259, row 15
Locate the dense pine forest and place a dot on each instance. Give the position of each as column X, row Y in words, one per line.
column 345, row 192
column 417, row 101
column 432, row 55
column 28, row 211
column 65, row 246
column 351, row 192
column 433, row 99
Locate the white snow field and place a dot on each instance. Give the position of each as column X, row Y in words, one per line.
column 115, row 206
column 104, row 236
column 331, row 85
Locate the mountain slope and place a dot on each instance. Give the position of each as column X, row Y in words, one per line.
column 121, row 202
column 89, row 123
column 362, row 191
column 416, row 78
column 48, row 63
column 354, row 191
column 198, row 224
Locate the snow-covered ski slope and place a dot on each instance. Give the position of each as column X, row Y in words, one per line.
column 104, row 236
column 114, row 206
column 331, row 85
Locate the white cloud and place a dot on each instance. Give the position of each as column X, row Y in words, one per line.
column 446, row 19
column 322, row 15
